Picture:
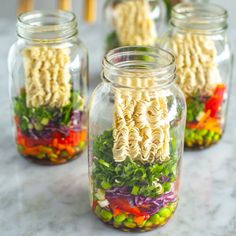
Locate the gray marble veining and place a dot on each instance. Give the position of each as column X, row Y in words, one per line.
column 47, row 201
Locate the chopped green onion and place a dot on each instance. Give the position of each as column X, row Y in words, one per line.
column 44, row 121
column 104, row 163
column 105, row 185
column 135, row 190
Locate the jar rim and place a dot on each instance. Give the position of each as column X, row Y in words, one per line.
column 56, row 24
column 199, row 16
column 140, row 61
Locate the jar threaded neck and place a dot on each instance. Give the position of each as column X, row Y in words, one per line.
column 47, row 26
column 152, row 66
column 199, row 17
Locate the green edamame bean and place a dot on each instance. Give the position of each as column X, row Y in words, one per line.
column 116, row 225
column 64, row 153
column 119, row 218
column 82, row 145
column 142, row 224
column 191, row 134
column 200, row 142
column 198, row 137
column 130, row 219
column 164, row 212
column 187, row 134
column 98, row 210
column 202, row 132
column 155, row 219
column 216, row 137
column 130, row 225
column 106, row 215
column 162, row 220
column 210, row 134
column 172, row 207
column 208, row 140
column 189, row 143
column 52, row 155
column 148, row 223
column 41, row 155
column 20, row 148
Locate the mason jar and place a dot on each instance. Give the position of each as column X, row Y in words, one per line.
column 136, row 137
column 133, row 22
column 48, row 86
column 198, row 39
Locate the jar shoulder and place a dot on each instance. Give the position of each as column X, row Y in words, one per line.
column 76, row 47
column 100, row 95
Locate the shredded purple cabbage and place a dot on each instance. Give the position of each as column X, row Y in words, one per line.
column 164, row 179
column 53, row 126
column 147, row 205
column 118, row 192
column 76, row 120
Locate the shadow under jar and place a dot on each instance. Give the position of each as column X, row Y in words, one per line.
column 48, row 85
column 200, row 44
column 136, row 137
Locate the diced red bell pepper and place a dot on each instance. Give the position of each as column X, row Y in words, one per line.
column 192, row 125
column 94, row 205
column 58, row 140
column 28, row 141
column 116, row 211
column 215, row 101
column 17, row 120
column 56, row 135
column 125, row 206
column 140, row 219
column 71, row 139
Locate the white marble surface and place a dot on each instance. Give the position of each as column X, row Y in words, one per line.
column 47, row 201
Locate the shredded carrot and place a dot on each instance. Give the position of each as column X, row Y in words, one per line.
column 58, row 152
column 116, row 211
column 17, row 120
column 61, row 146
column 83, row 136
column 139, row 219
column 45, row 149
column 70, row 150
column 54, row 142
column 32, row 151
column 203, row 119
column 211, row 124
column 21, row 141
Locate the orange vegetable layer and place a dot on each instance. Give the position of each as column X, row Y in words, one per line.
column 59, row 142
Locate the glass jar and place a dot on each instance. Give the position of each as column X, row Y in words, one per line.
column 199, row 42
column 48, row 86
column 136, row 137
column 171, row 3
column 133, row 22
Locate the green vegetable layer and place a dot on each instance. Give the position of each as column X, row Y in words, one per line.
column 42, row 115
column 198, row 138
column 108, row 173
column 194, row 107
column 123, row 221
